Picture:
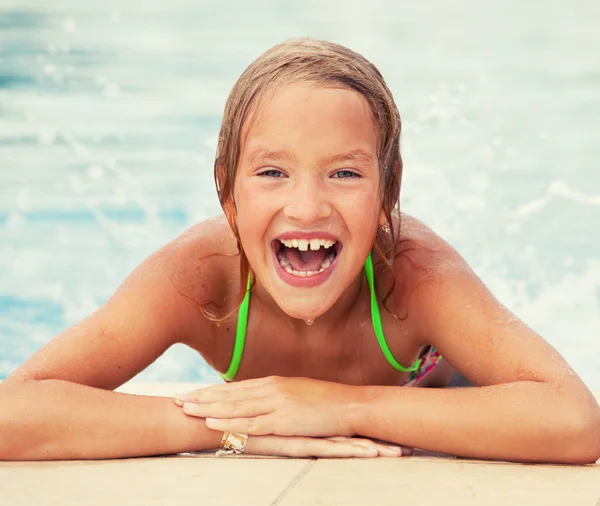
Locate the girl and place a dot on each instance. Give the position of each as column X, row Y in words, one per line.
column 341, row 301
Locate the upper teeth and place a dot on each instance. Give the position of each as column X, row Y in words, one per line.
column 304, row 244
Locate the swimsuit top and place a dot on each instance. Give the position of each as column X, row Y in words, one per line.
column 431, row 357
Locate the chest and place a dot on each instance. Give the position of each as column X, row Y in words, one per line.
column 349, row 353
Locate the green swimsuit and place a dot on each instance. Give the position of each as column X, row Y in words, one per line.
column 416, row 368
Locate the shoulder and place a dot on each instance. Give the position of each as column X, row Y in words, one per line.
column 156, row 306
column 202, row 263
column 206, row 242
column 420, row 244
column 423, row 257
column 424, row 266
column 451, row 308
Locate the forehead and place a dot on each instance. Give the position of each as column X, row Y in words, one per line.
column 302, row 115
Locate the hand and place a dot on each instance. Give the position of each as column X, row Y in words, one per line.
column 336, row 447
column 276, row 405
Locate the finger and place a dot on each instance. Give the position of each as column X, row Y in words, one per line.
column 220, row 391
column 221, row 410
column 334, row 449
column 190, row 396
column 384, row 450
column 302, row 447
column 237, row 385
column 257, row 426
column 214, row 396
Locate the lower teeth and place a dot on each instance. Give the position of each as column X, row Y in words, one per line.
column 283, row 261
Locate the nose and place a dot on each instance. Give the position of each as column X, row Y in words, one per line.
column 309, row 202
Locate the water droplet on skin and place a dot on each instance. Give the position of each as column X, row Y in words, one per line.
column 309, row 321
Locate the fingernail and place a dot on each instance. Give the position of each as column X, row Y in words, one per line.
column 188, row 407
column 396, row 449
column 373, row 451
column 189, row 400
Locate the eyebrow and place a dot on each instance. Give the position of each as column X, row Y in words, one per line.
column 355, row 155
column 267, row 154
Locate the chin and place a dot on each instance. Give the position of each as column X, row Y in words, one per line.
column 304, row 312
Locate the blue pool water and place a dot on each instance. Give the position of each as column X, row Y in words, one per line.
column 109, row 113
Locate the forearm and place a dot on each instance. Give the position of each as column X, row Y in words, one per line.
column 523, row 421
column 60, row 420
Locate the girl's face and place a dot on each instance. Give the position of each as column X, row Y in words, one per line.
column 306, row 194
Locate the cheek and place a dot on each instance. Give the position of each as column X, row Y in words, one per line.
column 362, row 209
column 252, row 215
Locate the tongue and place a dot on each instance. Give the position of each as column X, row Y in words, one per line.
column 305, row 260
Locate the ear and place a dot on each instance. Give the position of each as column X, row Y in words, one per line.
column 382, row 219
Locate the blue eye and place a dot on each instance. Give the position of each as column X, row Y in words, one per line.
column 271, row 173
column 346, row 174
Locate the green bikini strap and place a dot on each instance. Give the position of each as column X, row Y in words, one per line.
column 377, row 325
column 240, row 336
column 242, row 323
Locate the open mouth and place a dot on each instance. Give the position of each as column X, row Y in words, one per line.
column 306, row 258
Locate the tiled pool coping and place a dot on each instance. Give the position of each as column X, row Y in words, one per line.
column 205, row 480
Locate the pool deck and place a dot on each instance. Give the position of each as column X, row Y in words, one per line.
column 204, row 480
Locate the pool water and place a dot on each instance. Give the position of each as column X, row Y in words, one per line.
column 109, row 113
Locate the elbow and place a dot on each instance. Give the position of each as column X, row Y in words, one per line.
column 16, row 441
column 584, row 432
column 8, row 449
column 16, row 444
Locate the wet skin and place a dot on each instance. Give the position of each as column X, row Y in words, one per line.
column 344, row 351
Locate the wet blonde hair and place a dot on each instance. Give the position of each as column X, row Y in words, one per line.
column 322, row 63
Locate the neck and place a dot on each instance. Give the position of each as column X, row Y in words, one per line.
column 338, row 315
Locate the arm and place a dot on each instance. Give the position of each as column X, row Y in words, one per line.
column 59, row 420
column 59, row 404
column 530, row 405
column 528, row 421
column 520, row 421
